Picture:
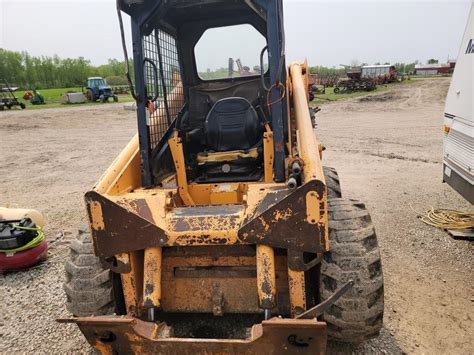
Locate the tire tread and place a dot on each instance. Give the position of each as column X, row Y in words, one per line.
column 354, row 255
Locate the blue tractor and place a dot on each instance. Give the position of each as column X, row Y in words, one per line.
column 97, row 89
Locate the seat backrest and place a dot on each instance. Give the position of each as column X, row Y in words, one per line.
column 232, row 124
column 204, row 96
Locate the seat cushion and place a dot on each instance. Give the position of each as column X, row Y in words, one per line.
column 223, row 157
column 232, row 124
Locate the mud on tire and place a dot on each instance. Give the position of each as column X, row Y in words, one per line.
column 88, row 285
column 354, row 255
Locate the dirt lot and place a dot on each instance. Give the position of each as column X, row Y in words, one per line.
column 387, row 149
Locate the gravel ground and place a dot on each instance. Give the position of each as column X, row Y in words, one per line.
column 387, row 149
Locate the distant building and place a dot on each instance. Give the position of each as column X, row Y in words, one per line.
column 432, row 69
column 452, row 65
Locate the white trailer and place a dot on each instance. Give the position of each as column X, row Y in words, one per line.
column 459, row 120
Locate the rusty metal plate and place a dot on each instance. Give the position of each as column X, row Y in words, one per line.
column 127, row 335
column 116, row 230
column 220, row 218
column 289, row 220
column 284, row 224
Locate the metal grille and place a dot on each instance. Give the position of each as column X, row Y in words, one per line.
column 163, row 82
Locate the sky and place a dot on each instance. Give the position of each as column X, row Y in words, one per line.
column 328, row 33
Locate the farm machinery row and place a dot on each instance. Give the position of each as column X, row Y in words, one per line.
column 7, row 96
column 348, row 86
column 365, row 78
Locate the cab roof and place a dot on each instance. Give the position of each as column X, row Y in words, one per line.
column 174, row 13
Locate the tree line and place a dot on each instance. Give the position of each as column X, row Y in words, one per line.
column 42, row 72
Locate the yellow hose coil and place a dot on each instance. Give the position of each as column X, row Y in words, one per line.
column 447, row 219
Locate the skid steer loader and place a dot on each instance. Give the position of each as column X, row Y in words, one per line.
column 217, row 230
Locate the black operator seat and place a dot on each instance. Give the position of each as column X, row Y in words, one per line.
column 234, row 139
column 232, row 124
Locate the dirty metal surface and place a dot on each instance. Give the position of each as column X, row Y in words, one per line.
column 296, row 261
column 280, row 218
column 127, row 335
column 285, row 225
column 199, row 221
column 189, row 282
column 121, row 226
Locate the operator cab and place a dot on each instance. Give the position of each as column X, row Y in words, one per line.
column 223, row 121
column 211, row 100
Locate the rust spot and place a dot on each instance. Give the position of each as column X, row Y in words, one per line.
column 149, row 288
column 282, row 215
column 97, row 218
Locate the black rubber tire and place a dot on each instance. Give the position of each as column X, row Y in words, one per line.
column 354, row 255
column 88, row 286
column 91, row 96
column 332, row 182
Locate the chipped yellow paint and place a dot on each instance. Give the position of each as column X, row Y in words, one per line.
column 265, row 225
column 152, row 278
column 283, row 215
column 266, row 277
column 160, row 206
column 97, row 216
column 296, row 280
column 313, row 213
column 130, row 281
column 176, row 148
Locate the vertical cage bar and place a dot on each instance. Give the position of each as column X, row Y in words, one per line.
column 275, row 44
column 143, row 129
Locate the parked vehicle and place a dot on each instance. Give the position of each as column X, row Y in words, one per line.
column 458, row 162
column 7, row 97
column 97, row 89
column 218, row 230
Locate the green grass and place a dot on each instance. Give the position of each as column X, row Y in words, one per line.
column 52, row 97
column 330, row 96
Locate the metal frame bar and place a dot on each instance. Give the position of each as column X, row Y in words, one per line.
column 143, row 129
column 274, row 31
